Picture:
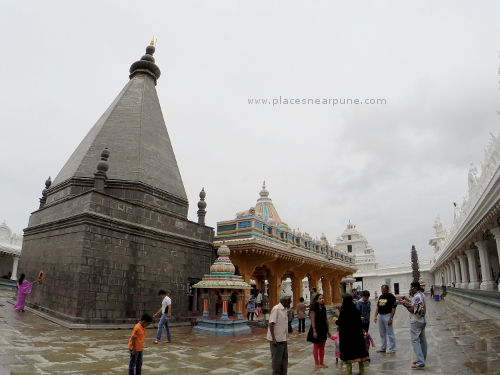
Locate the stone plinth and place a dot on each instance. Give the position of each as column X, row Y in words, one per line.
column 222, row 327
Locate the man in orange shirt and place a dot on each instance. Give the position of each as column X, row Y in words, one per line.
column 136, row 343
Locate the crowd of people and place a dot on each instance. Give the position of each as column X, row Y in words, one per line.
column 352, row 338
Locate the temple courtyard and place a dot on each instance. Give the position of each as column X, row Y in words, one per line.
column 32, row 345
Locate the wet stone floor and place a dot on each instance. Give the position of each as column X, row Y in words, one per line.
column 32, row 345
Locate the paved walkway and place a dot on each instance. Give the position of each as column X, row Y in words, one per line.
column 32, row 345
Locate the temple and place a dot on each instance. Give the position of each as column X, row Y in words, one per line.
column 370, row 275
column 466, row 264
column 265, row 249
column 112, row 228
column 10, row 251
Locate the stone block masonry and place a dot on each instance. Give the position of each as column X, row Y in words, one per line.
column 105, row 259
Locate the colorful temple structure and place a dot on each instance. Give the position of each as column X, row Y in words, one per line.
column 267, row 250
column 223, row 280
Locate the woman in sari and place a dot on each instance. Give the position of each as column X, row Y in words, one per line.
column 23, row 289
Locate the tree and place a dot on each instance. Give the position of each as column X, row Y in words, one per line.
column 415, row 271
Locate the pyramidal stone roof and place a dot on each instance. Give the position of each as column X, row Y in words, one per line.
column 134, row 131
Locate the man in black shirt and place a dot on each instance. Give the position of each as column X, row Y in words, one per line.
column 386, row 308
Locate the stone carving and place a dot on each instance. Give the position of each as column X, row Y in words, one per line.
column 438, row 226
column 477, row 183
column 472, row 176
column 250, row 211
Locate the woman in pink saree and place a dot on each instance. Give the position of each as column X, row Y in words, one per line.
column 23, row 288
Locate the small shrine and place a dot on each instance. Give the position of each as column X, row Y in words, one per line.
column 222, row 280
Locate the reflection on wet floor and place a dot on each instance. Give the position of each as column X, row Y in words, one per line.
column 32, row 345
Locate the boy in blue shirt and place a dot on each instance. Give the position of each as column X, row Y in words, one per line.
column 364, row 307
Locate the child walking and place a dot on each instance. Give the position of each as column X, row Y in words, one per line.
column 368, row 341
column 336, row 339
column 136, row 343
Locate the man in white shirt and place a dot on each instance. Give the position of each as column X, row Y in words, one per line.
column 277, row 334
column 259, row 299
column 166, row 312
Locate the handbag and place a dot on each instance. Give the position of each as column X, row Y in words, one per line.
column 258, row 311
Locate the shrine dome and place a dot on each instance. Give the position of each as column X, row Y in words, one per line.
column 265, row 207
column 351, row 229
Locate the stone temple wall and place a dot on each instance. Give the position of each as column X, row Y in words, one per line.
column 105, row 259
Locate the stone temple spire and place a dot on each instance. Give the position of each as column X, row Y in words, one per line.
column 134, row 131
column 117, row 207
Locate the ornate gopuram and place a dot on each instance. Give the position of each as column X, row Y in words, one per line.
column 265, row 249
column 370, row 275
column 466, row 263
column 112, row 228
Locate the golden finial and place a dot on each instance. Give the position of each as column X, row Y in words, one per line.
column 264, row 184
column 152, row 42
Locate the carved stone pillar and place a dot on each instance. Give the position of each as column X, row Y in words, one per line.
column 274, row 283
column 496, row 233
column 225, row 295
column 444, row 277
column 471, row 258
column 452, row 273
column 296, row 290
column 325, row 284
column 458, row 278
column 206, row 298
column 14, row 268
column 337, row 296
column 463, row 268
column 448, row 275
column 239, row 305
column 487, row 283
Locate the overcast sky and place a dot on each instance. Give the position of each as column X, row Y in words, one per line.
column 390, row 169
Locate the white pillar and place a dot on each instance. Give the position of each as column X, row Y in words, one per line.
column 471, row 257
column 496, row 233
column 14, row 268
column 452, row 273
column 458, row 278
column 463, row 268
column 448, row 275
column 487, row 283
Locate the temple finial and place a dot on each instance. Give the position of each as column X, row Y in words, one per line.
column 146, row 65
column 43, row 199
column 100, row 176
column 201, row 207
column 264, row 184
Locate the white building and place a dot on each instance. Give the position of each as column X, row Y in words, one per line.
column 370, row 275
column 467, row 255
column 10, row 251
